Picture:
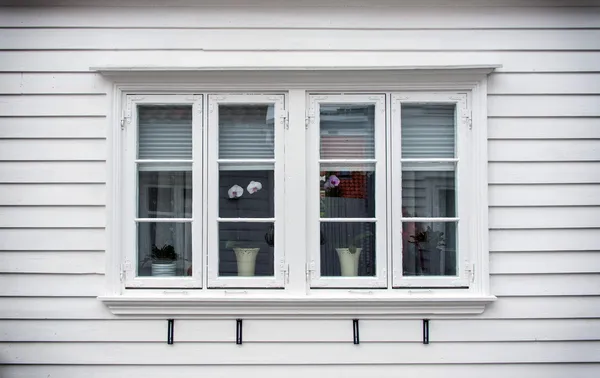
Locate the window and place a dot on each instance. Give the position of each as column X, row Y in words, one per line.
column 301, row 197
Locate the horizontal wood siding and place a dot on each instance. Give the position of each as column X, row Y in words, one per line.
column 544, row 189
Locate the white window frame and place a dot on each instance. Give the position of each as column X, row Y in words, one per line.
column 212, row 199
column 130, row 192
column 379, row 280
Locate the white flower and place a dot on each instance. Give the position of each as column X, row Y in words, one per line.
column 254, row 187
column 323, row 178
column 235, row 191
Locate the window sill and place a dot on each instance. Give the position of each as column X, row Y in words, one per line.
column 236, row 306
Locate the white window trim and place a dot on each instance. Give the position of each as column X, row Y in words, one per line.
column 296, row 300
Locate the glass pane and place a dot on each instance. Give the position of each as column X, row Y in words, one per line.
column 347, row 192
column 165, row 194
column 246, row 193
column 347, row 249
column 429, row 248
column 428, row 190
column 164, row 249
column 347, row 131
column 165, row 132
column 246, row 131
column 246, row 249
column 428, row 130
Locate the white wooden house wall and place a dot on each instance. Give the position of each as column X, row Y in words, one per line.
column 544, row 187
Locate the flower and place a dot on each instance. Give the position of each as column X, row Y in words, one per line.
column 235, row 191
column 334, row 180
column 254, row 187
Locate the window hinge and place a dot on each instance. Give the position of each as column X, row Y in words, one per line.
column 286, row 121
column 285, row 270
column 469, row 121
column 310, row 270
column 470, row 271
column 125, row 267
column 124, row 121
column 307, row 121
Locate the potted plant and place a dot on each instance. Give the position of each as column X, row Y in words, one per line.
column 427, row 241
column 245, row 255
column 163, row 260
column 349, row 255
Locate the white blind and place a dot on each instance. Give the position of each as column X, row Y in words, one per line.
column 246, row 132
column 347, row 131
column 428, row 130
column 165, row 132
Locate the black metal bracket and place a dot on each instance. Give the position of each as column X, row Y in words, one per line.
column 355, row 328
column 170, row 331
column 238, row 331
column 425, row 331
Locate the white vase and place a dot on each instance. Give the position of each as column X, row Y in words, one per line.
column 246, row 260
column 165, row 268
column 348, row 261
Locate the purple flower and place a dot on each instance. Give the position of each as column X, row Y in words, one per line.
column 334, row 180
column 327, row 185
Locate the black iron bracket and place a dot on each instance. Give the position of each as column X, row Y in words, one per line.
column 170, row 331
column 356, row 334
column 425, row 331
column 238, row 331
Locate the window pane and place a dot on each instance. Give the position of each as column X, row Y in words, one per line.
column 246, row 193
column 347, row 192
column 165, row 132
column 428, row 190
column 429, row 248
column 164, row 249
column 347, row 131
column 246, row 131
column 246, row 249
column 347, row 249
column 165, row 194
column 428, row 130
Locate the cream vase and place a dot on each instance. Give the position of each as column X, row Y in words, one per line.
column 348, row 261
column 165, row 268
column 246, row 260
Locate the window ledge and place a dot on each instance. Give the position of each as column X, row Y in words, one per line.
column 292, row 307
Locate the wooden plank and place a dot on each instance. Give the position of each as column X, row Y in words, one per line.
column 53, row 149
column 53, row 194
column 53, row 308
column 544, row 217
column 544, row 173
column 544, row 262
column 544, row 150
column 544, row 240
column 301, row 17
column 55, row 105
column 52, row 216
column 297, row 353
column 543, row 128
column 73, row 262
column 545, row 284
column 543, row 106
column 53, row 172
column 301, row 371
column 55, row 83
column 547, row 195
column 51, row 285
column 544, row 83
column 298, row 40
column 81, row 61
column 54, row 127
column 52, row 239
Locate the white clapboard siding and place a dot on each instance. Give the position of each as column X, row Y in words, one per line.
column 545, row 284
column 544, row 83
column 302, row 17
column 53, row 149
column 52, row 194
column 546, row 195
column 543, row 128
column 62, row 308
column 545, row 240
column 56, row 105
column 53, row 172
column 291, row 40
column 544, row 262
column 542, row 217
column 298, row 353
column 550, row 370
column 52, row 239
column 544, row 106
column 62, row 61
column 72, row 262
column 52, row 216
column 544, row 150
column 544, row 173
column 53, row 83
column 53, row 127
column 50, row 285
